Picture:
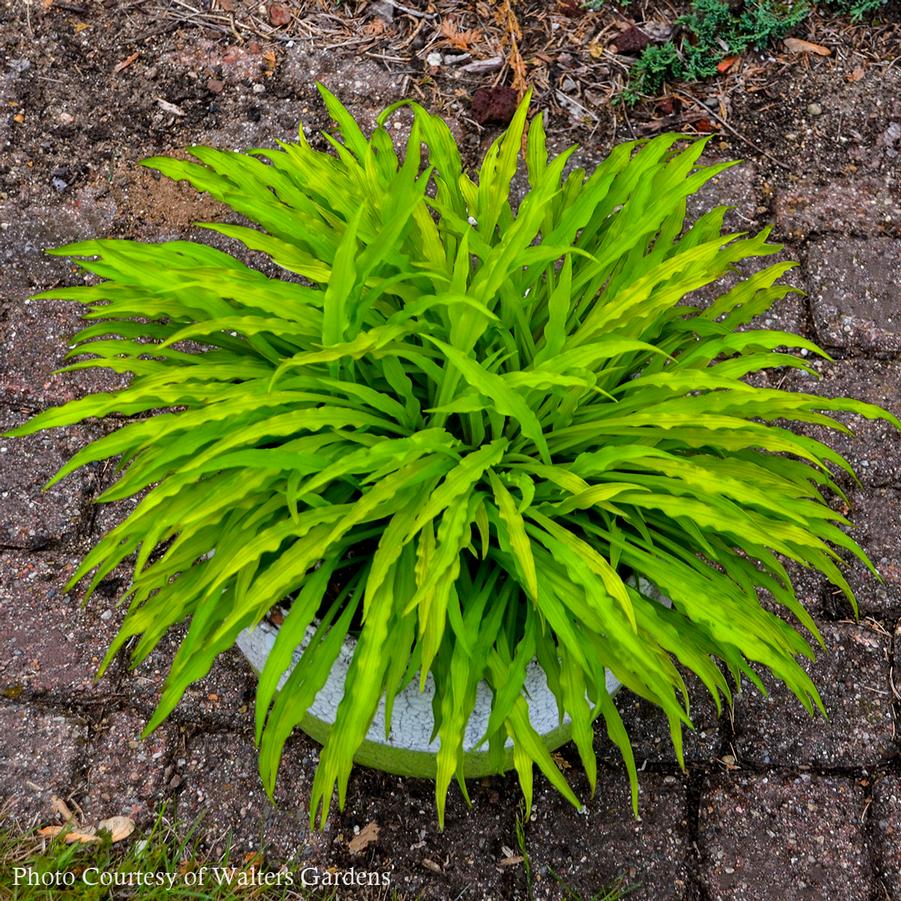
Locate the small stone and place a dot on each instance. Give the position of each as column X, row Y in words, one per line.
column 494, row 106
column 632, row 40
column 66, row 118
column 259, row 88
column 815, row 109
column 215, row 86
column 434, row 59
column 279, row 14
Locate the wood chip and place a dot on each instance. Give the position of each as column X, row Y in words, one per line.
column 510, row 861
column 167, row 107
column 364, row 838
column 797, row 45
column 126, row 62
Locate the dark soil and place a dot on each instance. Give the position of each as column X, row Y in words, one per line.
column 90, row 87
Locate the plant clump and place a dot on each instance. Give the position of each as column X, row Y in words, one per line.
column 716, row 29
column 470, row 427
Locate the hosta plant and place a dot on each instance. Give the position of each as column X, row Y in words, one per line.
column 462, row 429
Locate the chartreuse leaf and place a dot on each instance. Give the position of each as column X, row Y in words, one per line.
column 454, row 438
column 519, row 543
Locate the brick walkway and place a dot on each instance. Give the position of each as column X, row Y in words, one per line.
column 773, row 804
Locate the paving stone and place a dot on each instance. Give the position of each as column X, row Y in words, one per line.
column 105, row 517
column 222, row 784
column 853, row 680
column 224, row 698
column 649, row 733
column 896, row 668
column 739, row 187
column 465, row 860
column 876, row 514
column 29, row 516
column 874, row 448
column 128, row 776
column 798, row 837
column 736, row 187
column 49, row 643
column 854, row 293
column 885, row 816
column 788, row 314
column 39, row 220
column 590, row 851
column 40, row 753
column 861, row 206
column 36, row 336
column 811, row 588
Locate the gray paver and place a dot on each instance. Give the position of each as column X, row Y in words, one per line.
column 31, row 517
column 127, row 776
column 886, row 820
column 874, row 447
column 843, row 205
column 40, row 753
column 222, row 783
column 590, row 851
column 49, row 642
column 854, row 293
column 798, row 836
column 876, row 514
column 853, row 680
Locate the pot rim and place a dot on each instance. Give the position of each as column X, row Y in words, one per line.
column 408, row 747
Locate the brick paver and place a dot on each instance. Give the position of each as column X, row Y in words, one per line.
column 853, row 675
column 798, row 838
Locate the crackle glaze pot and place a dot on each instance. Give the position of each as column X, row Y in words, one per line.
column 409, row 749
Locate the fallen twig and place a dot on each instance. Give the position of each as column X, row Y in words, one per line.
column 731, row 129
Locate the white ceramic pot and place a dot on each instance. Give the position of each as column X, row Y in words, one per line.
column 408, row 750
